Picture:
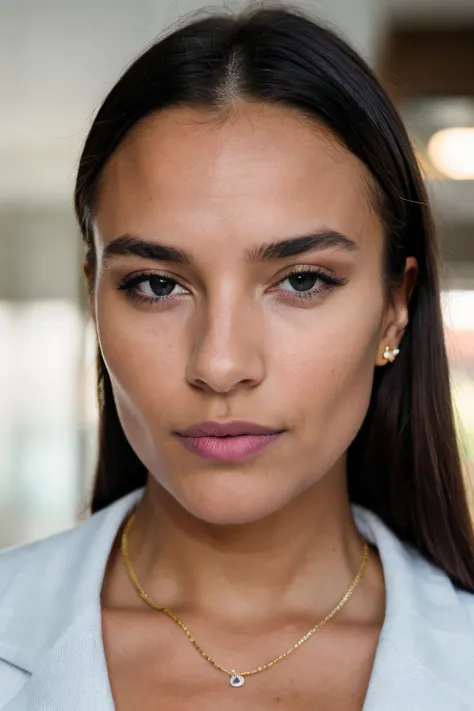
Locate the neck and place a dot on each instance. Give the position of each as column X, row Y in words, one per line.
column 303, row 556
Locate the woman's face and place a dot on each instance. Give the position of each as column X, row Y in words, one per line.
column 227, row 327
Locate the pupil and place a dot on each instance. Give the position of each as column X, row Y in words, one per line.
column 161, row 285
column 303, row 282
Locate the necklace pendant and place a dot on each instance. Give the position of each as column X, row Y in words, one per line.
column 236, row 680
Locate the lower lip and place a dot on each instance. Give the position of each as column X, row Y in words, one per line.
column 229, row 449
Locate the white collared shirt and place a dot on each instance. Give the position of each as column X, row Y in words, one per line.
column 51, row 647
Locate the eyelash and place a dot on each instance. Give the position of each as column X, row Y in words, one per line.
column 330, row 282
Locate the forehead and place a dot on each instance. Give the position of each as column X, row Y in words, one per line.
column 264, row 169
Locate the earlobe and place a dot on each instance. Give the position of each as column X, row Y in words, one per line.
column 389, row 347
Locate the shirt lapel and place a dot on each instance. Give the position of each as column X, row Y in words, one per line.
column 73, row 675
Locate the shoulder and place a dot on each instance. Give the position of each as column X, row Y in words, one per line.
column 50, row 561
column 428, row 631
column 47, row 584
column 66, row 552
column 466, row 601
column 74, row 536
column 34, row 561
column 411, row 580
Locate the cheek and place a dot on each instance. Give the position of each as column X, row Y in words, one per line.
column 328, row 368
column 142, row 353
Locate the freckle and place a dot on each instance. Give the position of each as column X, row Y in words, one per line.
column 279, row 699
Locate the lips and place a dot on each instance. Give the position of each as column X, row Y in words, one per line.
column 227, row 429
column 229, row 441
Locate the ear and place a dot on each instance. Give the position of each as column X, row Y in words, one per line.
column 86, row 270
column 396, row 319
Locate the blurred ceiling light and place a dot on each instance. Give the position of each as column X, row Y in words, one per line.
column 452, row 152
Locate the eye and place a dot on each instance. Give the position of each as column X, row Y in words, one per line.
column 309, row 283
column 151, row 288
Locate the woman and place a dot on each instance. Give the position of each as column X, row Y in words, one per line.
column 279, row 514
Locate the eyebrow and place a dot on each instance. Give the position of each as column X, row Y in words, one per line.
column 132, row 245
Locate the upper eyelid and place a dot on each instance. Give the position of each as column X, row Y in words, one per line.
column 137, row 277
column 175, row 277
column 305, row 268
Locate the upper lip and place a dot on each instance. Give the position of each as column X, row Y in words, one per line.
column 227, row 429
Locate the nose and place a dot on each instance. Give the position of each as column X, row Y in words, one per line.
column 227, row 348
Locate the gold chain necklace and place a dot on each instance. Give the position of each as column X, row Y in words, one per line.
column 236, row 678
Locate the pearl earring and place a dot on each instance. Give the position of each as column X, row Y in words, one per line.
column 390, row 355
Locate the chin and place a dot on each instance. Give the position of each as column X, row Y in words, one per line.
column 227, row 499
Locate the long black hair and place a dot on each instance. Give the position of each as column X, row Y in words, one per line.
column 404, row 463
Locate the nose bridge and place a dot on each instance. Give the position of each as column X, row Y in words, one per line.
column 226, row 348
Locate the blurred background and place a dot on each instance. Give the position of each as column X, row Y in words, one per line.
column 58, row 58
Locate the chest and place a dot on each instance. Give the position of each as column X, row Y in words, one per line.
column 152, row 665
